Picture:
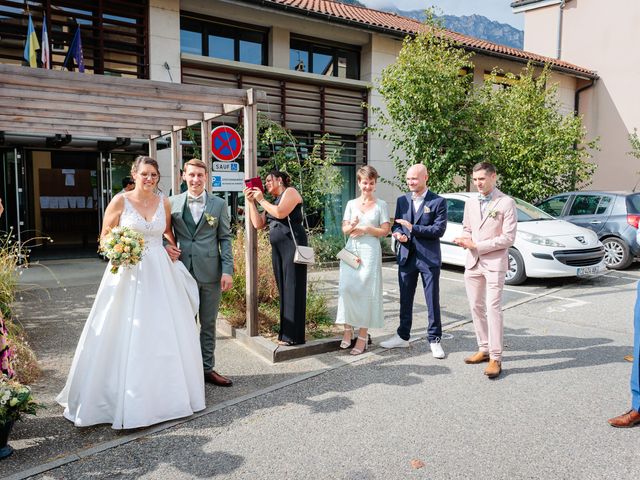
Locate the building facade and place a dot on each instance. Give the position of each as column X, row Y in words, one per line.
column 600, row 36
column 317, row 61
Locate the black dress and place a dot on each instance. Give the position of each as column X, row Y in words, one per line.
column 290, row 277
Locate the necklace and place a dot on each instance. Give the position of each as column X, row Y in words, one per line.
column 364, row 201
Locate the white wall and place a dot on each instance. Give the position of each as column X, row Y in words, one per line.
column 164, row 40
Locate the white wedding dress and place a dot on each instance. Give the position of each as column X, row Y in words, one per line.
column 138, row 360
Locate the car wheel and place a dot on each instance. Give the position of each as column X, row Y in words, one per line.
column 616, row 253
column 516, row 273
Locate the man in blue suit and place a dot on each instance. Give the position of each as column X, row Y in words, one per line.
column 631, row 418
column 420, row 221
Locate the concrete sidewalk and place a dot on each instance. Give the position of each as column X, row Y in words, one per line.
column 336, row 416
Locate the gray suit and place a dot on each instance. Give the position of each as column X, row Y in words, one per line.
column 206, row 252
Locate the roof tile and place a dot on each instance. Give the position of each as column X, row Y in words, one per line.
column 403, row 25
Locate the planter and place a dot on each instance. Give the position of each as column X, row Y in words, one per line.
column 5, row 448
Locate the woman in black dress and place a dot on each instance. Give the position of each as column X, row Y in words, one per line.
column 290, row 277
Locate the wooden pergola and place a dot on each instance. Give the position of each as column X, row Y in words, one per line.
column 70, row 103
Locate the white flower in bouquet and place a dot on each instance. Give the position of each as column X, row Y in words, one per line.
column 123, row 247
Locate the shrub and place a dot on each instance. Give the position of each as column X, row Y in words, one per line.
column 23, row 360
column 325, row 248
column 233, row 304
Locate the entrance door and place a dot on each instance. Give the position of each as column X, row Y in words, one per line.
column 104, row 185
column 14, row 195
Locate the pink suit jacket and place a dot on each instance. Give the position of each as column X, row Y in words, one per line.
column 493, row 234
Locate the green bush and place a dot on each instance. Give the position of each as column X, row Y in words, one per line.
column 233, row 305
column 325, row 248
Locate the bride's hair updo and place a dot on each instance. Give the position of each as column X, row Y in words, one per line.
column 143, row 160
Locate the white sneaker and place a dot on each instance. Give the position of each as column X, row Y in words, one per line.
column 436, row 350
column 395, row 342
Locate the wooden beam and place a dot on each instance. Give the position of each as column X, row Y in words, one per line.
column 251, row 245
column 18, row 75
column 176, row 161
column 153, row 148
column 205, row 151
column 107, row 108
column 67, row 100
column 50, row 129
column 62, row 116
column 70, row 123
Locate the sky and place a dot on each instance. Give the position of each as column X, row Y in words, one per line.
column 498, row 10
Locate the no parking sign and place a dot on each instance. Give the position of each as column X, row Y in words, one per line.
column 226, row 143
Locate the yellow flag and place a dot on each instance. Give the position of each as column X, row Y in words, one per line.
column 31, row 45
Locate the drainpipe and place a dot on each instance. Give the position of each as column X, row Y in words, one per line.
column 576, row 97
column 559, row 49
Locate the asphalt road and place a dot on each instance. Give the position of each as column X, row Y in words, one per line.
column 384, row 413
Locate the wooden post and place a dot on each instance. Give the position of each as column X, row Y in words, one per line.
column 251, row 247
column 176, row 161
column 205, row 153
column 153, row 148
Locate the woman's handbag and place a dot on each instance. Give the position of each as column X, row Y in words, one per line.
column 349, row 258
column 304, row 255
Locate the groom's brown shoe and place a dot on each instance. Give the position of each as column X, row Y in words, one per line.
column 217, row 379
column 626, row 420
column 629, row 358
column 477, row 357
column 493, row 369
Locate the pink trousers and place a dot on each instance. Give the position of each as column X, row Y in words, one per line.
column 484, row 291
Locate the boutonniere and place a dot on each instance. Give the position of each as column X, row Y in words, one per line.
column 427, row 210
column 492, row 213
column 211, row 220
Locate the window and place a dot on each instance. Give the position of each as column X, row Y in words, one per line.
column 455, row 210
column 222, row 40
column 322, row 59
column 585, row 205
column 554, row 206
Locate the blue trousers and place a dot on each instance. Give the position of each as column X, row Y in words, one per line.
column 408, row 281
column 635, row 369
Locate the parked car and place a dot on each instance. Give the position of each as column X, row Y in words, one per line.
column 545, row 247
column 613, row 216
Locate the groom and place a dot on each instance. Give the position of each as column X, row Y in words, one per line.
column 201, row 227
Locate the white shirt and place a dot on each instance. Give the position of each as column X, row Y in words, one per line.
column 418, row 199
column 197, row 208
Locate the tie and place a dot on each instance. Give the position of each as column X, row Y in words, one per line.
column 199, row 199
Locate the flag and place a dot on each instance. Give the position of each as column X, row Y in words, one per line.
column 75, row 52
column 31, row 45
column 44, row 53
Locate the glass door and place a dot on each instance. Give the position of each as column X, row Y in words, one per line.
column 14, row 193
column 105, row 183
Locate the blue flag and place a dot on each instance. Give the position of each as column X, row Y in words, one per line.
column 75, row 52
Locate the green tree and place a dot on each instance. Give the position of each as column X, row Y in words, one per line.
column 537, row 149
column 432, row 114
column 436, row 115
column 634, row 140
column 313, row 172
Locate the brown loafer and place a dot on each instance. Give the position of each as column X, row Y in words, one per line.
column 217, row 379
column 477, row 357
column 626, row 420
column 493, row 369
column 628, row 358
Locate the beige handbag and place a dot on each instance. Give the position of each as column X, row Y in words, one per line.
column 349, row 258
column 304, row 255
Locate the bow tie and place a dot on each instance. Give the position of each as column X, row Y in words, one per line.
column 199, row 199
column 484, row 198
column 417, row 197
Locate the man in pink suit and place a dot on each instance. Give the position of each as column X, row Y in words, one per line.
column 489, row 226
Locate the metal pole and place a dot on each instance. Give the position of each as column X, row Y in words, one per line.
column 251, row 245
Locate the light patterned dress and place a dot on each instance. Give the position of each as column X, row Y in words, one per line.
column 360, row 291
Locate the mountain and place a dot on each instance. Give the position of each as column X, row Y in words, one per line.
column 472, row 25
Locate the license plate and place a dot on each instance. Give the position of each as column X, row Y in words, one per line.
column 592, row 270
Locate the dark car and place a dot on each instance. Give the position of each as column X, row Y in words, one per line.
column 614, row 216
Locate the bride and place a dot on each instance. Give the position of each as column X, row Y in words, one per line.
column 138, row 360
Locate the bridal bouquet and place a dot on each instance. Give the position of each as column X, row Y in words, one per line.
column 123, row 246
column 15, row 400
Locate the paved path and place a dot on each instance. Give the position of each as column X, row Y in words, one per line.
column 334, row 416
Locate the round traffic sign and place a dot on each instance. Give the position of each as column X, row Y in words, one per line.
column 226, row 143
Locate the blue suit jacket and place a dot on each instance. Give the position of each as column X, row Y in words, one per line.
column 429, row 224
